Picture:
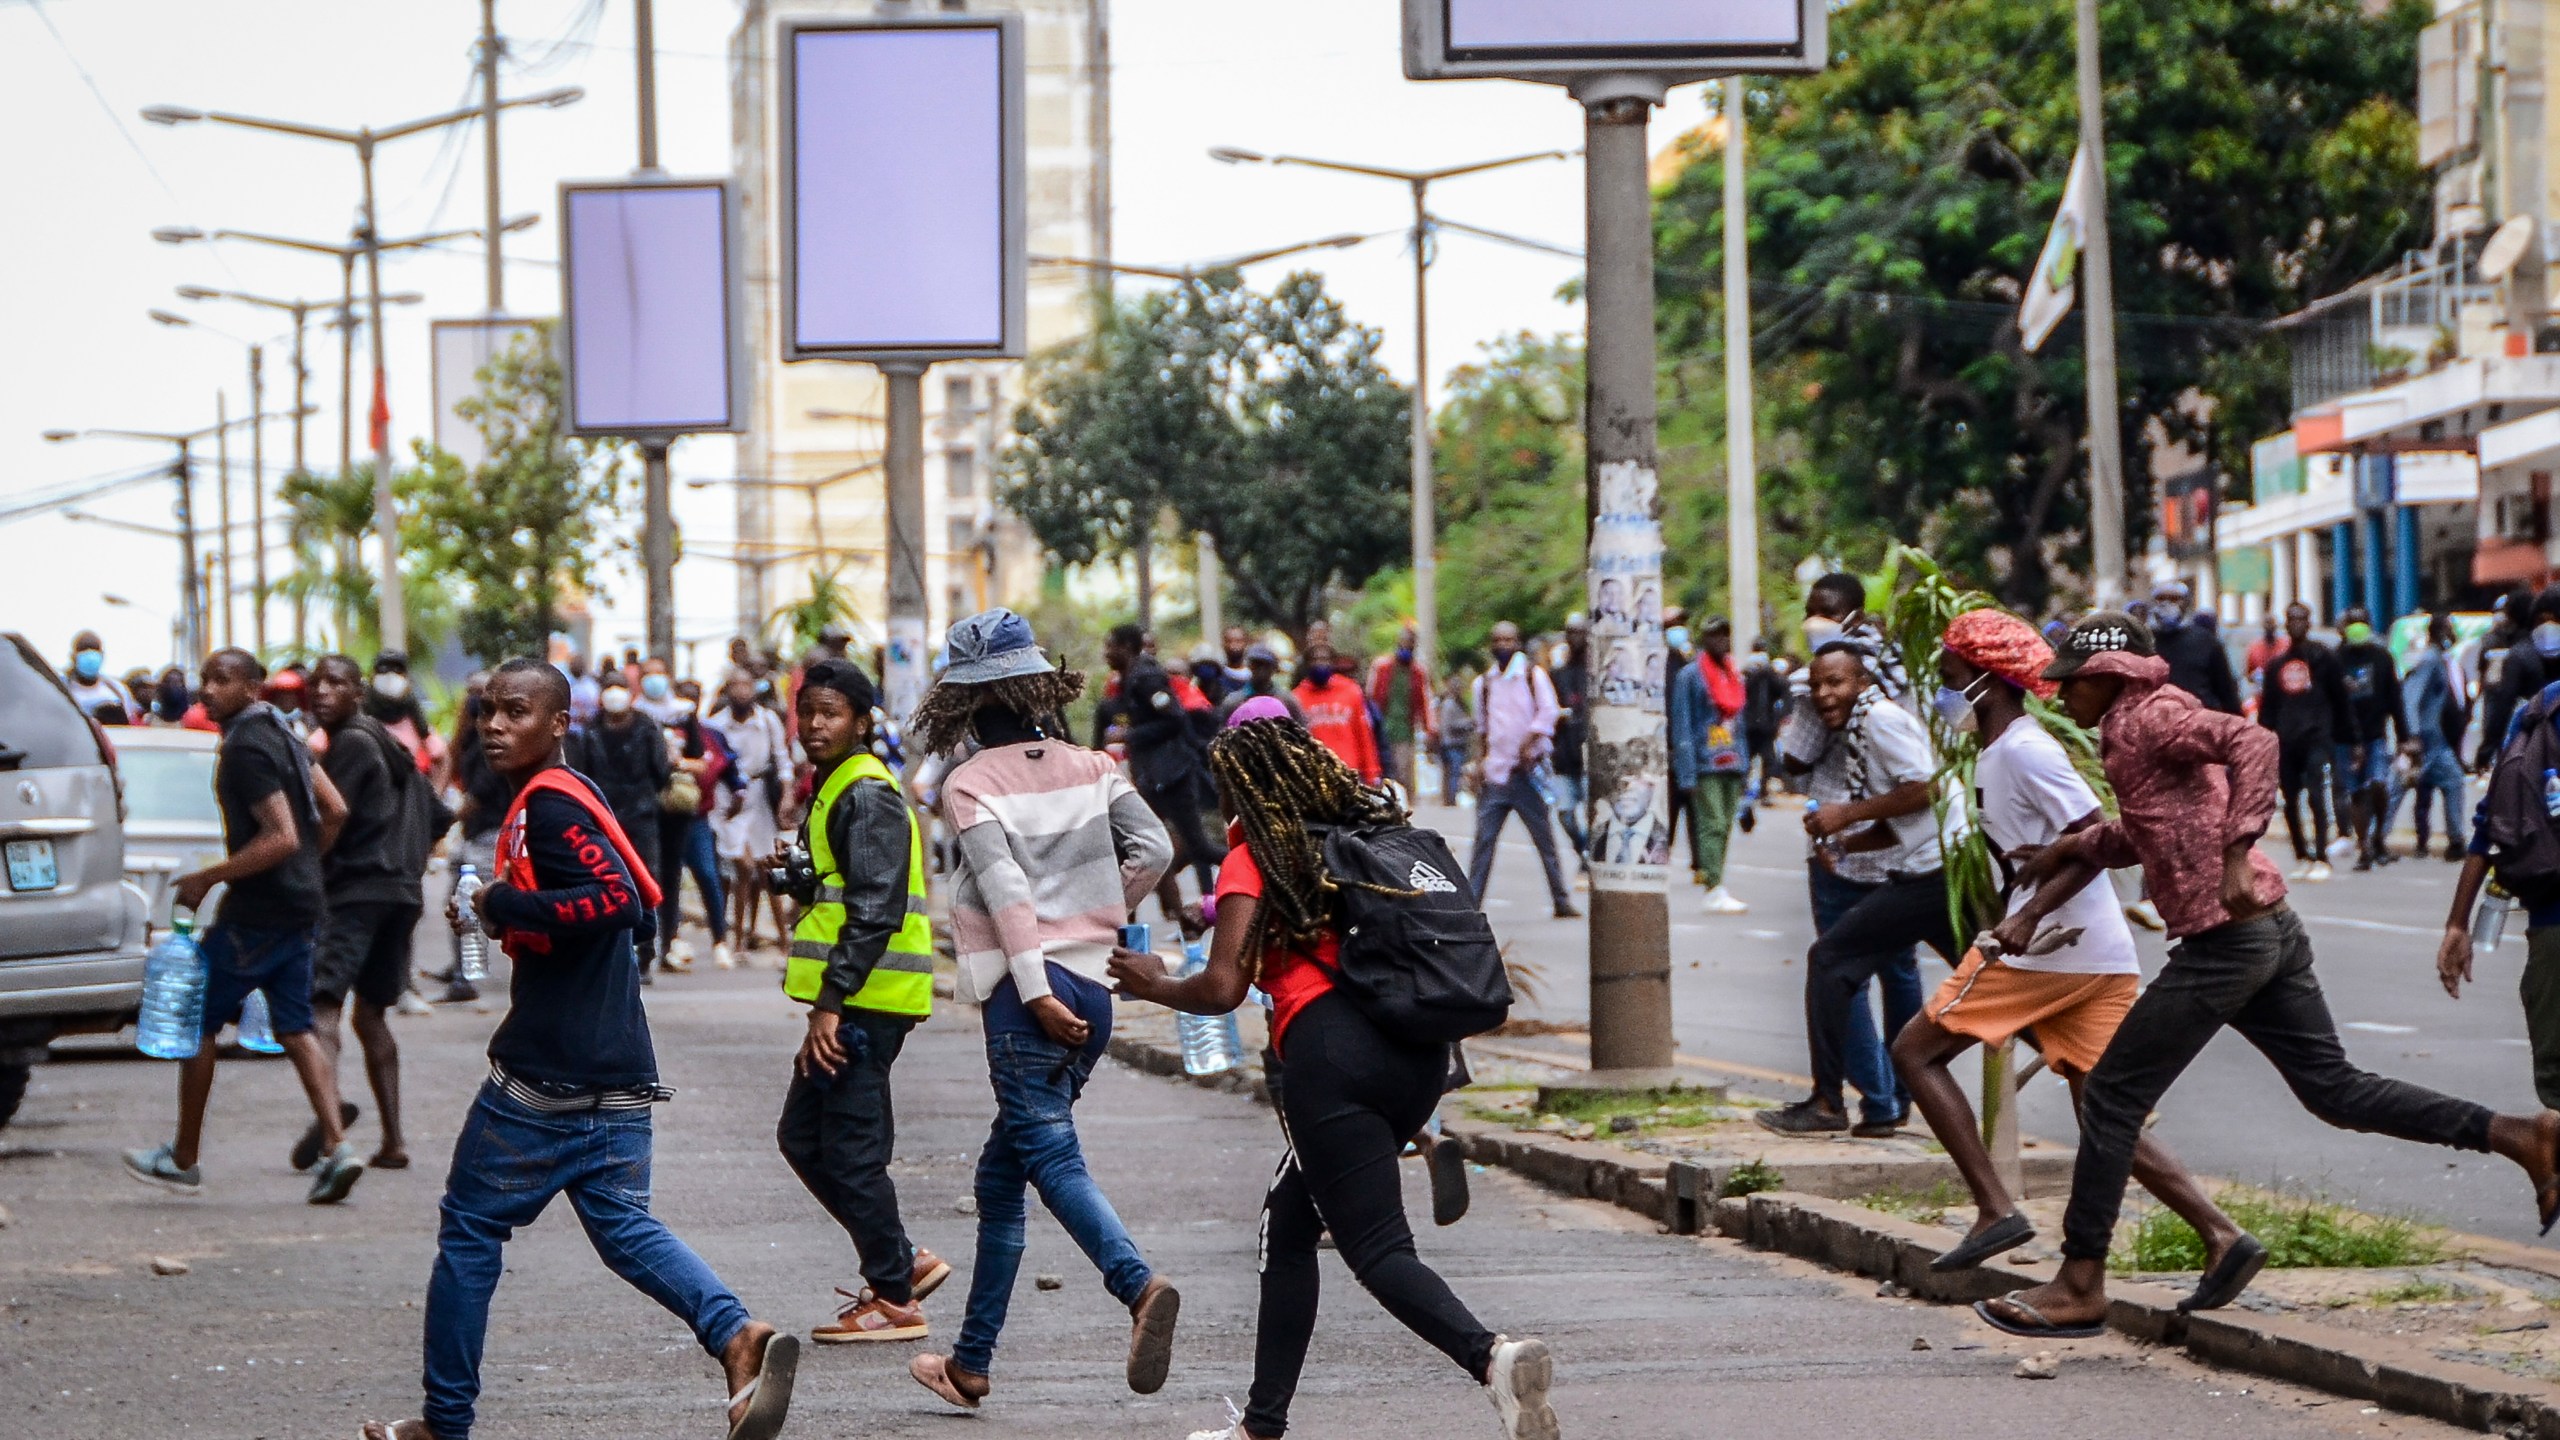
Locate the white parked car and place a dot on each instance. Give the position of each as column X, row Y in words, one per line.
column 172, row 824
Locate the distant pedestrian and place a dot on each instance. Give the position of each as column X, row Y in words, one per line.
column 572, row 1077
column 625, row 754
column 1168, row 763
column 485, row 797
column 1400, row 689
column 1516, row 719
column 749, row 819
column 1261, row 677
column 99, row 695
column 2436, row 709
column 393, row 700
column 279, row 813
column 1056, row 850
column 1457, row 732
column 1764, row 689
column 2374, row 720
column 680, row 800
column 1570, row 677
column 2192, row 648
column 2516, row 660
column 1711, row 755
column 1337, row 712
column 2305, row 704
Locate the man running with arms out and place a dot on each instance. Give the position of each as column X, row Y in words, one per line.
column 571, row 1078
column 862, row 961
column 2068, row 993
column 2194, row 791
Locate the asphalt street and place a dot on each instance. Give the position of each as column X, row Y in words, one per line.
column 296, row 1322
column 1737, row 994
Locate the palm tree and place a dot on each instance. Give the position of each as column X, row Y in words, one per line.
column 330, row 518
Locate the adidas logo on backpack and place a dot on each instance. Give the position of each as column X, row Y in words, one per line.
column 1427, row 878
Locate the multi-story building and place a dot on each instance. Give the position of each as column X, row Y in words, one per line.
column 815, row 430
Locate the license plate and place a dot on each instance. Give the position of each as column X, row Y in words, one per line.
column 31, row 865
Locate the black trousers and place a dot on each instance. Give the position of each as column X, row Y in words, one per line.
column 1179, row 807
column 2254, row 976
column 1354, row 1097
column 838, row 1132
column 2302, row 769
column 1855, row 950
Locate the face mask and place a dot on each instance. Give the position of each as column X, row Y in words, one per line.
column 87, row 664
column 2546, row 639
column 1677, row 637
column 1321, row 674
column 1404, row 654
column 1820, row 631
column 1955, row 709
column 616, row 700
column 654, row 686
column 391, row 685
column 2358, row 633
column 2165, row 615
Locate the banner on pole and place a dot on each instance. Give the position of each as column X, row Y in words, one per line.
column 2055, row 286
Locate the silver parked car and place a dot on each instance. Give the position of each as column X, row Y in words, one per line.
column 72, row 932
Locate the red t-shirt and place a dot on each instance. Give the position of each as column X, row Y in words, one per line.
column 1292, row 978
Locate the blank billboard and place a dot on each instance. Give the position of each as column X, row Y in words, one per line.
column 462, row 349
column 902, row 190
column 648, row 307
column 1486, row 29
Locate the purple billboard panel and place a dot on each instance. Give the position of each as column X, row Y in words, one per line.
column 648, row 308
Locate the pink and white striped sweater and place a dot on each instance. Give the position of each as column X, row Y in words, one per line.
column 1056, row 850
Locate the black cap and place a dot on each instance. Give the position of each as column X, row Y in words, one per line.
column 391, row 660
column 2100, row 632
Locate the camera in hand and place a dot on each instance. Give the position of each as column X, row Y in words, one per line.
column 795, row 875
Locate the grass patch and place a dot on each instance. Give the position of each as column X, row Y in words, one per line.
column 1927, row 1206
column 1600, row 1106
column 2414, row 1291
column 1750, row 1179
column 2299, row 1232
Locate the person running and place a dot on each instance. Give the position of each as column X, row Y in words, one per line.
column 1261, row 677
column 1337, row 712
column 1056, row 849
column 862, row 961
column 1355, row 1091
column 2065, row 993
column 2194, row 792
column 2515, row 657
column 2198, row 664
column 1711, row 756
column 749, row 821
column 625, row 753
column 1516, row 716
column 279, row 814
column 372, row 876
column 1166, row 763
column 2304, row 702
column 1400, row 688
column 2374, row 720
column 1889, row 815
column 2436, row 709
column 572, row 1074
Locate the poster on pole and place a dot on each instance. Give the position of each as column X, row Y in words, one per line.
column 1630, row 823
column 902, row 194
column 461, row 349
column 649, row 304
column 1560, row 41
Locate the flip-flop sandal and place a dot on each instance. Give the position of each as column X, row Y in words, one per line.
column 1999, row 1238
column 2223, row 1283
column 768, row 1396
column 2041, row 1329
column 1151, row 1337
column 387, row 1162
column 934, row 1373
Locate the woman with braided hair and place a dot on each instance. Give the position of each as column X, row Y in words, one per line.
column 1355, row 1091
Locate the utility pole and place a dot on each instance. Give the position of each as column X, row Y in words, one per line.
column 903, row 683
column 347, row 361
column 258, row 493
column 222, row 502
column 1742, row 461
column 191, row 598
column 1425, row 496
column 392, row 601
column 2098, row 295
column 658, row 525
column 1628, row 752
column 497, row 267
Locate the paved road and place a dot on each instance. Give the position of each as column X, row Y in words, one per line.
column 1737, row 995
column 297, row 1322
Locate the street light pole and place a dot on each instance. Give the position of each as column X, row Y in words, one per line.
column 906, row 667
column 258, row 492
column 392, row 600
column 2097, row 269
column 497, row 267
column 658, row 524
column 1742, row 463
column 222, row 501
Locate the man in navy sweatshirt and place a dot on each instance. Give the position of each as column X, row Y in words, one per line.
column 571, row 1079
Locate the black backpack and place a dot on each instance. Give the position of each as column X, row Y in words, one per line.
column 2523, row 834
column 1418, row 956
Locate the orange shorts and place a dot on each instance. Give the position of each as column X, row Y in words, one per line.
column 2073, row 1016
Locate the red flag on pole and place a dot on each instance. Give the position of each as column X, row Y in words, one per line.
column 381, row 413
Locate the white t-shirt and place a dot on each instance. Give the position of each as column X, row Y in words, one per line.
column 2029, row 792
column 1889, row 749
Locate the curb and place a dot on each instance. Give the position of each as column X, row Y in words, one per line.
column 1828, row 1230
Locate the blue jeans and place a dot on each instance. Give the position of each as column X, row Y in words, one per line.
column 2439, row 773
column 1033, row 1144
column 507, row 1164
column 1571, row 793
column 1862, row 1051
column 1520, row 796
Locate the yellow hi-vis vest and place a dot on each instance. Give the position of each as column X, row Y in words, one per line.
column 902, row 983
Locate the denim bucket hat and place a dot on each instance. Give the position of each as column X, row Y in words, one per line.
column 994, row 645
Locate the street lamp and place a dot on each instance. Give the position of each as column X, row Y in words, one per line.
column 1191, row 274
column 394, row 607
column 817, row 520
column 1426, row 564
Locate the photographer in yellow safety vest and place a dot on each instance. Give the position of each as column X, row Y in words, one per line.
column 862, row 960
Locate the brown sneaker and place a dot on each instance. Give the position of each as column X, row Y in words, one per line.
column 868, row 1317
column 931, row 1270
column 1151, row 1335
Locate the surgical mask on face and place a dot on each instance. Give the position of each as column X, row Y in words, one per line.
column 391, row 685
column 2166, row 614
column 654, row 686
column 1677, row 637
column 1404, row 654
column 2358, row 633
column 1955, row 708
column 1321, row 674
column 87, row 664
column 2546, row 639
column 1820, row 630
column 616, row 700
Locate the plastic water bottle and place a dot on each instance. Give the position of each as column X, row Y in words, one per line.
column 1211, row 1044
column 2489, row 923
column 257, row 1031
column 469, row 938
column 2551, row 792
column 173, row 978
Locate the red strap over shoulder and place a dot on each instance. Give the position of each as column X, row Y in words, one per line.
column 517, row 866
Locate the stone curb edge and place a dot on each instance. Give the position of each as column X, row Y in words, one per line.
column 1850, row 1237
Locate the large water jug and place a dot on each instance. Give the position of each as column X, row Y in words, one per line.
column 257, row 1030
column 1211, row 1044
column 172, row 1021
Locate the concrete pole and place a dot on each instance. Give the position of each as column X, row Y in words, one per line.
column 658, row 549
column 1426, row 498
column 1627, row 761
column 394, row 601
column 644, row 40
column 258, row 496
column 1213, row 609
column 1742, row 462
column 495, row 238
column 222, row 508
column 346, row 361
column 190, row 596
column 2098, row 299
column 908, row 669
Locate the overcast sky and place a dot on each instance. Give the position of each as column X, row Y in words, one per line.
column 88, row 180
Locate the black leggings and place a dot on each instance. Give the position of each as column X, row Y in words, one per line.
column 1180, row 811
column 2300, row 771
column 1354, row 1097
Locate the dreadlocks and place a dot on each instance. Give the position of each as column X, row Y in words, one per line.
column 942, row 719
column 1276, row 779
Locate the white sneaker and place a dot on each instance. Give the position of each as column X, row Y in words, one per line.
column 2317, row 874
column 1518, row 1379
column 1721, row 901
column 2342, row 847
column 1232, row 1430
column 721, row 957
column 680, row 953
column 413, row 1003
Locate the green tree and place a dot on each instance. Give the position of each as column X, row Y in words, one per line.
column 528, row 524
column 2258, row 157
column 1262, row 421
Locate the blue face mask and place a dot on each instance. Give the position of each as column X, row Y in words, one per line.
column 87, row 664
column 654, row 686
column 1677, row 637
column 2546, row 640
column 1321, row 674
